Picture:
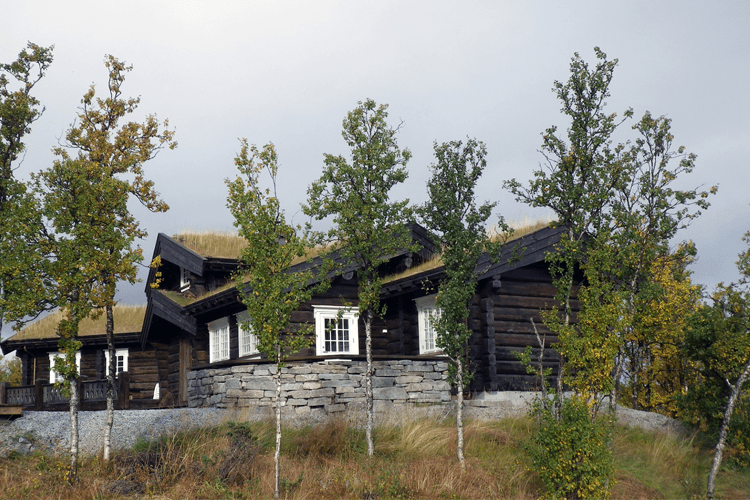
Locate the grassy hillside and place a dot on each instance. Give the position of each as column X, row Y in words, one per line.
column 415, row 461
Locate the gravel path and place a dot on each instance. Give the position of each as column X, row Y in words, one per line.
column 50, row 431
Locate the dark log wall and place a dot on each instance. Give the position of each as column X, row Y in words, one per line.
column 403, row 325
column 144, row 371
column 500, row 318
column 341, row 293
column 506, row 329
column 142, row 365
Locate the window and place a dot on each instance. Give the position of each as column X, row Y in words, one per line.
column 53, row 375
column 248, row 340
column 336, row 330
column 121, row 361
column 184, row 279
column 427, row 312
column 218, row 340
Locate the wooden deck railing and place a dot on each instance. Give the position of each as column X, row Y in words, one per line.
column 44, row 396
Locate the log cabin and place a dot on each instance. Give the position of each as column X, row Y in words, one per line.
column 191, row 326
column 195, row 313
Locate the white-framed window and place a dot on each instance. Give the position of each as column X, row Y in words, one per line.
column 121, row 361
column 184, row 279
column 54, row 377
column 427, row 311
column 248, row 340
column 218, row 340
column 336, row 330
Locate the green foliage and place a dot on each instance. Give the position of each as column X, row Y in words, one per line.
column 571, row 452
column 458, row 226
column 85, row 200
column 269, row 292
column 10, row 370
column 268, row 288
column 718, row 342
column 368, row 227
column 620, row 210
column 22, row 262
column 18, row 108
column 578, row 179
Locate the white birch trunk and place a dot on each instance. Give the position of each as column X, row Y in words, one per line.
column 368, row 383
column 460, row 414
column 277, row 403
column 110, row 416
column 736, row 391
column 74, row 396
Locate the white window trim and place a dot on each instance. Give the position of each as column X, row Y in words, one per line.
column 53, row 376
column 244, row 334
column 118, row 353
column 426, row 310
column 184, row 279
column 218, row 340
column 321, row 313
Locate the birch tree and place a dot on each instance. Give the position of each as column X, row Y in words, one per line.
column 69, row 202
column 457, row 222
column 114, row 153
column 266, row 287
column 578, row 178
column 85, row 195
column 719, row 344
column 368, row 226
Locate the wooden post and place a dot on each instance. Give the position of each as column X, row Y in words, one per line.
column 4, row 393
column 38, row 394
column 123, row 391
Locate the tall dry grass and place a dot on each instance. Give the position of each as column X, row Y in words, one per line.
column 415, row 460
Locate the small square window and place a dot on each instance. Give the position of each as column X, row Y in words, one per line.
column 336, row 330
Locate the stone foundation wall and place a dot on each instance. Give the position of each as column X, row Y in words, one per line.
column 320, row 388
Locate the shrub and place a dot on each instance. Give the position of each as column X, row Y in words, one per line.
column 571, row 452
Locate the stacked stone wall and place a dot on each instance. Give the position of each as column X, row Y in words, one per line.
column 320, row 388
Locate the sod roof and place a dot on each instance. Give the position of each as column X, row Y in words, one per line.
column 520, row 229
column 216, row 244
column 128, row 319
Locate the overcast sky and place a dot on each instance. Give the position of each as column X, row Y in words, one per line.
column 287, row 72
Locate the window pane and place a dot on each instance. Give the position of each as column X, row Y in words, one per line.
column 336, row 335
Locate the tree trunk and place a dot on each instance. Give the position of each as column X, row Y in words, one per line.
column 74, row 396
column 277, row 403
column 561, row 365
column 736, row 391
column 460, row 413
column 368, row 383
column 110, row 416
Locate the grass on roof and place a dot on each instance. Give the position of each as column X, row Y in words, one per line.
column 228, row 245
column 185, row 300
column 520, row 229
column 127, row 319
column 218, row 244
